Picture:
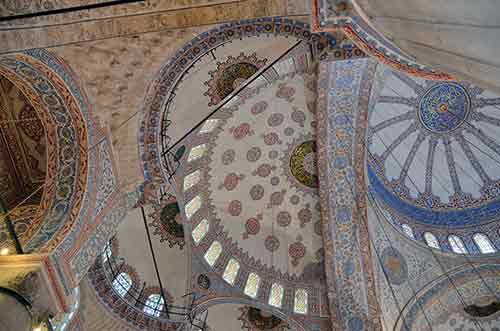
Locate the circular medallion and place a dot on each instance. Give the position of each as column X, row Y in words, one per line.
column 303, row 164
column 395, row 266
column 444, row 107
column 203, row 281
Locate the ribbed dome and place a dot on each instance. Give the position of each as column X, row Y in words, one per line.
column 435, row 151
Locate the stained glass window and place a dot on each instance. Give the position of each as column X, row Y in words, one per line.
column 200, row 231
column 122, row 283
column 483, row 243
column 213, row 252
column 192, row 206
column 408, row 231
column 300, row 301
column 197, row 152
column 231, row 271
column 431, row 240
column 154, row 305
column 191, row 179
column 276, row 295
column 107, row 253
column 209, row 125
column 252, row 285
column 457, row 245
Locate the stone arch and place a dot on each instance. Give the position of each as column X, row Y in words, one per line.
column 82, row 182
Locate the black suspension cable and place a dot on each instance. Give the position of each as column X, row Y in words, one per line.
column 68, row 10
column 227, row 100
column 154, row 262
column 10, row 227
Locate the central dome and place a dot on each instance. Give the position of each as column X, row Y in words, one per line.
column 435, row 150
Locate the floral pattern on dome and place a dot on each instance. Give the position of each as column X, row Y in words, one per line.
column 254, row 204
column 167, row 222
column 254, row 319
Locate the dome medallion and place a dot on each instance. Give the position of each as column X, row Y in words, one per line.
column 444, row 107
column 303, row 164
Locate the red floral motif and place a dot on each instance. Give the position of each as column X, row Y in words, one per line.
column 297, row 251
column 252, row 226
column 259, row 107
column 285, row 92
column 234, row 208
column 272, row 243
column 231, row 181
column 241, row 131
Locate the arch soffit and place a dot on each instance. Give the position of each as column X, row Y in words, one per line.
column 66, row 166
column 75, row 168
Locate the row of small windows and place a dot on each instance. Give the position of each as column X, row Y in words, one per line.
column 214, row 251
column 154, row 303
column 253, row 281
column 457, row 245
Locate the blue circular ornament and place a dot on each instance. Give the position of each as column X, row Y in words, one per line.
column 444, row 107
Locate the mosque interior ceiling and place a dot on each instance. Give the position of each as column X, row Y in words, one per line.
column 276, row 175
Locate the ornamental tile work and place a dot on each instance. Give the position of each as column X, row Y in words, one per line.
column 344, row 91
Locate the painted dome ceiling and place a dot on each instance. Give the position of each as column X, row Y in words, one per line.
column 434, row 150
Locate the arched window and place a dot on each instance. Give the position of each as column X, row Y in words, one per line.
column 300, row 302
column 197, row 152
column 483, row 243
column 231, row 271
column 252, row 285
column 200, row 231
column 122, row 283
column 431, row 240
column 154, row 305
column 192, row 206
column 191, row 179
column 276, row 295
column 457, row 245
column 408, row 231
column 213, row 252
